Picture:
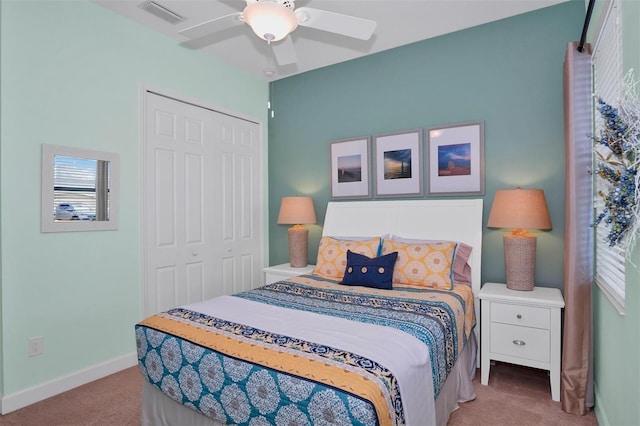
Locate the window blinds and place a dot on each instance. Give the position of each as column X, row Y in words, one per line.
column 80, row 189
column 608, row 82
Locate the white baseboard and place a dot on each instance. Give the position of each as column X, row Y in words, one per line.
column 25, row 397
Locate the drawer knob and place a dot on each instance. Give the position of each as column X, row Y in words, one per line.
column 519, row 316
column 519, row 342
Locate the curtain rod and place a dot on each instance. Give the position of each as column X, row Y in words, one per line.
column 585, row 27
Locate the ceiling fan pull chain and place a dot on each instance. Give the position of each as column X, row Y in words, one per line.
column 269, row 71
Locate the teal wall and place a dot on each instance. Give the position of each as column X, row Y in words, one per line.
column 70, row 75
column 616, row 337
column 507, row 73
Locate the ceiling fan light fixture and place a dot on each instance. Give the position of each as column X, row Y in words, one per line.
column 270, row 21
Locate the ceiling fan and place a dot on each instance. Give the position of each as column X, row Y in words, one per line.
column 274, row 20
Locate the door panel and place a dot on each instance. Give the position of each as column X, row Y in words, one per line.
column 228, row 268
column 195, row 282
column 241, row 213
column 194, row 196
column 226, row 185
column 164, row 290
column 202, row 205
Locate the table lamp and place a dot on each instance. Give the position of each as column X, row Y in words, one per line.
column 297, row 211
column 519, row 209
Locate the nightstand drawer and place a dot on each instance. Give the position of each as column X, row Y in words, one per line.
column 521, row 342
column 527, row 316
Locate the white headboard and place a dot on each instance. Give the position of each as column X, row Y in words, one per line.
column 451, row 219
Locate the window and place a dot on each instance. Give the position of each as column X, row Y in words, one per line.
column 76, row 188
column 608, row 85
column 79, row 189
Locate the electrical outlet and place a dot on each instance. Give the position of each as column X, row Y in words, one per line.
column 36, row 346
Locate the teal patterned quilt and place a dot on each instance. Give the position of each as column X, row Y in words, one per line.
column 308, row 351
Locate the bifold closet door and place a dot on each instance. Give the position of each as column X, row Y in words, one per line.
column 202, row 211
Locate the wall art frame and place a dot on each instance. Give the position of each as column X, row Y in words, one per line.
column 350, row 168
column 456, row 159
column 398, row 164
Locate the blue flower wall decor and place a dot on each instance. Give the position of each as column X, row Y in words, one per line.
column 617, row 150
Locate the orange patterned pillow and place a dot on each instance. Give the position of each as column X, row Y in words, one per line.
column 332, row 254
column 426, row 265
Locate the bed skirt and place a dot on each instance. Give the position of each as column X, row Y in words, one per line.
column 159, row 409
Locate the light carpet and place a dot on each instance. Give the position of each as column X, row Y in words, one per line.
column 515, row 396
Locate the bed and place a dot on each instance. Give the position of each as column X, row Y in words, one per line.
column 364, row 345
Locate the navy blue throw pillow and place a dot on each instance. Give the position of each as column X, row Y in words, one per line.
column 368, row 272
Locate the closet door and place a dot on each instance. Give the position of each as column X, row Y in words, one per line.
column 202, row 207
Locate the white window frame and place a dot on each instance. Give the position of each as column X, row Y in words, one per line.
column 608, row 84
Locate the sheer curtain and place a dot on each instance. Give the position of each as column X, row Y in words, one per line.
column 576, row 392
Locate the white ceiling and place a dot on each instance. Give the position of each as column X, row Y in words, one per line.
column 399, row 22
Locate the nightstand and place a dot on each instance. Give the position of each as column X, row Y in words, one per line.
column 284, row 271
column 521, row 327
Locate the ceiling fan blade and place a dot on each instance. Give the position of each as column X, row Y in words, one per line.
column 284, row 51
column 212, row 26
column 338, row 23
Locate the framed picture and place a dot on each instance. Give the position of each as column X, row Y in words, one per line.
column 350, row 168
column 456, row 159
column 398, row 164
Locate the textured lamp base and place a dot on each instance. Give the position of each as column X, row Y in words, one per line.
column 520, row 261
column 298, row 243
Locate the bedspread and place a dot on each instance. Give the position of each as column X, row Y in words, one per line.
column 260, row 357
